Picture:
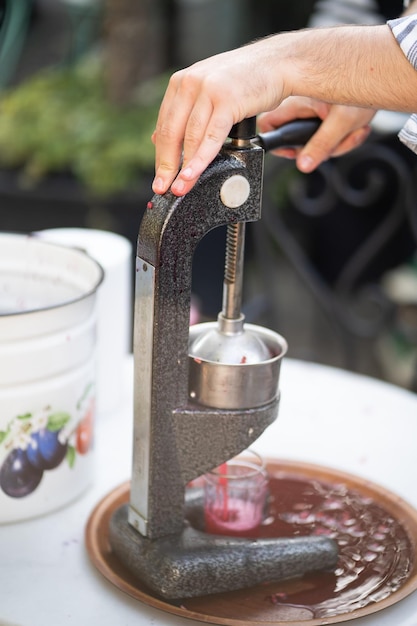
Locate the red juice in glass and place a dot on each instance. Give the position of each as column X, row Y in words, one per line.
column 242, row 519
column 235, row 496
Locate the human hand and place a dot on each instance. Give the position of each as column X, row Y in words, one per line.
column 203, row 102
column 343, row 128
column 201, row 105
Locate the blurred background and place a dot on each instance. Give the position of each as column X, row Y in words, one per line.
column 332, row 265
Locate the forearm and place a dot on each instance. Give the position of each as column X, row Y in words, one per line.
column 354, row 65
column 362, row 66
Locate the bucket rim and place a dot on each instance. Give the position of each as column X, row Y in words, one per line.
column 73, row 250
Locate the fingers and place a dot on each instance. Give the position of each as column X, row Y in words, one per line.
column 199, row 108
column 342, row 130
column 167, row 137
column 193, row 123
column 294, row 107
column 352, row 141
column 205, row 134
column 201, row 105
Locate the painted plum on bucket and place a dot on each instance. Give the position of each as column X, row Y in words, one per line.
column 34, row 443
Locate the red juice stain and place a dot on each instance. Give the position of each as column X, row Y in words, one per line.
column 376, row 555
column 375, row 552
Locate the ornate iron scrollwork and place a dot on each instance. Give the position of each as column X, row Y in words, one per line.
column 368, row 195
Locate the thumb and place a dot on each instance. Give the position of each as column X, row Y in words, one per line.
column 342, row 130
column 314, row 153
column 318, row 149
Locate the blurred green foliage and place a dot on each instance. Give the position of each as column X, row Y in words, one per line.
column 61, row 120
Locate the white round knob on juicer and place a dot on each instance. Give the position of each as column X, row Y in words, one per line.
column 235, row 191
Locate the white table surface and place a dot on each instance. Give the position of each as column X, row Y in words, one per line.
column 327, row 416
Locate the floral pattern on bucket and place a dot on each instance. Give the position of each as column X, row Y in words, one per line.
column 40, row 441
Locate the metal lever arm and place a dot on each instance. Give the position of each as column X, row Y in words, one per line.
column 293, row 134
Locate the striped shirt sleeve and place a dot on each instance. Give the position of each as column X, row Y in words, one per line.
column 404, row 30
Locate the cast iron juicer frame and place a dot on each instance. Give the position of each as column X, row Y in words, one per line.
column 192, row 414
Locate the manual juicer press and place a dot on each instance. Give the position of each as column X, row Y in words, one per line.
column 204, row 394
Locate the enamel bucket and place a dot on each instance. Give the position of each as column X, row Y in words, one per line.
column 47, row 374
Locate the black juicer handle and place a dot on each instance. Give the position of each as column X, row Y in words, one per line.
column 291, row 135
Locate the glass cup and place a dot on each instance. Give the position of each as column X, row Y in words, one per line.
column 235, row 496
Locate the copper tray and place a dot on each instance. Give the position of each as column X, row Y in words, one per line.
column 250, row 606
